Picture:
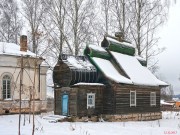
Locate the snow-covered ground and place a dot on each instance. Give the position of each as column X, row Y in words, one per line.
column 46, row 125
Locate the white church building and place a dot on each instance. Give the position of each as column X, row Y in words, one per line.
column 21, row 70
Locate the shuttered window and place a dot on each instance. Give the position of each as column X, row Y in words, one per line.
column 90, row 100
column 153, row 98
column 132, row 98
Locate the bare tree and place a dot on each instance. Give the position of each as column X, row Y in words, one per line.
column 105, row 8
column 146, row 18
column 70, row 25
column 34, row 11
column 10, row 22
column 80, row 18
column 121, row 13
column 139, row 21
column 57, row 36
column 167, row 93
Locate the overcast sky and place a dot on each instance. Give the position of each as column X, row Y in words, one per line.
column 169, row 61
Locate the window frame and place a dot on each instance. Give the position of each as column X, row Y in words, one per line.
column 7, row 89
column 135, row 103
column 93, row 100
column 153, row 98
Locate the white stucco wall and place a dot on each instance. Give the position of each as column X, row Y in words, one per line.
column 10, row 65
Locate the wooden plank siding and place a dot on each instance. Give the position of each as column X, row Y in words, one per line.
column 108, row 102
column 57, row 101
column 82, row 100
column 122, row 99
column 72, row 109
column 78, row 100
column 62, row 74
column 112, row 99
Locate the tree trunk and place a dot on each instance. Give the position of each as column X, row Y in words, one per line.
column 124, row 17
column 139, row 28
column 34, row 42
column 20, row 91
column 76, row 27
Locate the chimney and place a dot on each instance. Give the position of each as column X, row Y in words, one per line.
column 119, row 36
column 23, row 43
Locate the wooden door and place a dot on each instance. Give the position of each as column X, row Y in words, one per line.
column 65, row 99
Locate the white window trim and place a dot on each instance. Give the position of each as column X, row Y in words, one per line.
column 1, row 85
column 152, row 94
column 93, row 100
column 135, row 98
column 6, row 90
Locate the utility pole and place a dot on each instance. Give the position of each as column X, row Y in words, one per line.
column 20, row 91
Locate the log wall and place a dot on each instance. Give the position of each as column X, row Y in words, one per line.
column 82, row 100
column 122, row 99
column 78, row 100
column 59, row 92
column 66, row 75
column 111, row 99
column 108, row 100
column 62, row 74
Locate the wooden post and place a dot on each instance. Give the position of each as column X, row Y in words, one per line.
column 33, row 96
column 20, row 91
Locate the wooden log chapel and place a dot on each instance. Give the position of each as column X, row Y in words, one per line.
column 108, row 80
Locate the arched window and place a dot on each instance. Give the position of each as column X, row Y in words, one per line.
column 6, row 83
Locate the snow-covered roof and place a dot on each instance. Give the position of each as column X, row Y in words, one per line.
column 109, row 71
column 98, row 48
column 75, row 62
column 122, row 43
column 138, row 74
column 165, row 103
column 79, row 62
column 93, row 84
column 140, row 58
column 13, row 49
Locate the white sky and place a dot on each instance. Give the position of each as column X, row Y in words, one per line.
column 169, row 61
